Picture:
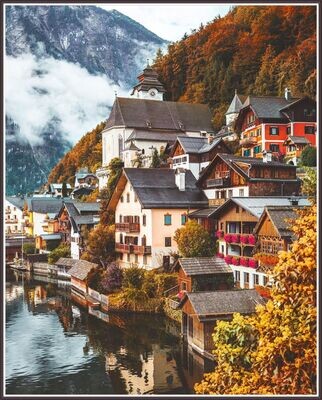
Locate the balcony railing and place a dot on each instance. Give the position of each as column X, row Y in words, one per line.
column 128, row 227
column 8, row 211
column 141, row 249
column 294, row 153
column 244, row 239
column 122, row 248
column 248, row 141
column 11, row 221
column 216, row 202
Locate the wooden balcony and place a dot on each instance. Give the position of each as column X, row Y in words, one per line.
column 291, row 154
column 11, row 221
column 128, row 227
column 218, row 182
column 143, row 250
column 248, row 141
column 216, row 202
column 122, row 248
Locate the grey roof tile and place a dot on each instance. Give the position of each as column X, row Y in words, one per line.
column 158, row 136
column 16, row 201
column 204, row 266
column 235, row 105
column 268, row 106
column 81, row 269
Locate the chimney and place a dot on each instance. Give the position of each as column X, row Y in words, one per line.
column 267, row 156
column 287, row 94
column 180, row 179
column 210, row 139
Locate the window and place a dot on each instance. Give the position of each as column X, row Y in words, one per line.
column 273, row 130
column 127, row 197
column 221, row 226
column 230, row 193
column 121, row 256
column 237, row 276
column 166, row 261
column 265, row 280
column 122, row 199
column 183, row 219
column 120, row 219
column 167, row 219
column 288, row 130
column 256, row 279
column 144, row 220
column 121, row 238
column 135, row 198
column 183, row 286
column 275, row 173
column 128, row 258
column 167, row 242
column 145, row 260
column 237, row 209
column 275, row 148
column 136, row 258
column 241, row 192
column 247, row 153
column 258, row 132
column 246, row 277
column 257, row 149
column 309, row 113
column 309, row 129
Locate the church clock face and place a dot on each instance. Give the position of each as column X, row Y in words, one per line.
column 152, row 92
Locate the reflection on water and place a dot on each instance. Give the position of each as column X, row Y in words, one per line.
column 54, row 346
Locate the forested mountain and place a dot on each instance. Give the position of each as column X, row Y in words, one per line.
column 259, row 50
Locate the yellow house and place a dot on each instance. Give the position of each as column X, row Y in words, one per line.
column 150, row 204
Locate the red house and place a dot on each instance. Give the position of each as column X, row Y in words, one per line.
column 265, row 122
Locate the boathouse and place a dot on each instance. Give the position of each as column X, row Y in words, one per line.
column 201, row 311
column 78, row 274
column 199, row 274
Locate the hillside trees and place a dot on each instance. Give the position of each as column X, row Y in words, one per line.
column 274, row 351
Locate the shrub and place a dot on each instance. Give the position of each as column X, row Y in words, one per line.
column 133, row 277
column 112, row 279
column 63, row 250
column 29, row 248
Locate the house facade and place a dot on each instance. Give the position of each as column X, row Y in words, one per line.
column 236, row 220
column 264, row 123
column 196, row 153
column 231, row 176
column 13, row 210
column 149, row 207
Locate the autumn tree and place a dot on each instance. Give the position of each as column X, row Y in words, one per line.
column 111, row 279
column 309, row 184
column 63, row 250
column 194, row 241
column 274, row 350
column 100, row 247
column 308, row 156
column 29, row 248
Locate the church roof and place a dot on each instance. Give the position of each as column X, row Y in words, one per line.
column 148, row 79
column 165, row 115
column 235, row 105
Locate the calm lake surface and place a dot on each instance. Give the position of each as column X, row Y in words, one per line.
column 54, row 346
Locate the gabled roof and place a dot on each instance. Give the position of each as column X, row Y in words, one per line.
column 81, row 269
column 148, row 79
column 297, row 140
column 281, row 217
column 223, row 302
column 236, row 104
column 256, row 205
column 82, row 207
column 268, row 106
column 202, row 266
column 198, row 145
column 156, row 188
column 44, row 205
column 166, row 115
column 64, row 261
column 16, row 201
column 50, row 236
column 149, row 135
column 81, row 213
column 235, row 163
column 203, row 213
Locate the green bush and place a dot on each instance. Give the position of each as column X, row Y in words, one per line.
column 133, row 277
column 63, row 250
column 29, row 248
column 164, row 282
column 308, row 157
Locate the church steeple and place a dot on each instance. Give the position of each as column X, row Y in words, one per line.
column 149, row 86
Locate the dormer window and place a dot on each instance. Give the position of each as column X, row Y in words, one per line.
column 181, row 125
column 148, row 123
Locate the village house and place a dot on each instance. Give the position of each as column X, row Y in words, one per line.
column 63, row 266
column 265, row 122
column 235, row 222
column 232, row 176
column 196, row 153
column 47, row 242
column 84, row 178
column 294, row 148
column 274, row 233
column 37, row 212
column 56, row 190
column 13, row 208
column 143, row 123
column 202, row 310
column 199, row 274
column 150, row 205
column 75, row 220
column 78, row 275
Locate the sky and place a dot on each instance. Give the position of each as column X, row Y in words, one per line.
column 170, row 21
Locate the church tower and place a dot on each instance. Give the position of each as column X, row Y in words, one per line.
column 149, row 86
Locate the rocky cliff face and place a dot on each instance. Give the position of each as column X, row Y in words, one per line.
column 103, row 42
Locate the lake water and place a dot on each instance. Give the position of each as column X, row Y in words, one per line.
column 54, row 346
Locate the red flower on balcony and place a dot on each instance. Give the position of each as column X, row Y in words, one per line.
column 219, row 234
column 235, row 238
column 227, row 237
column 244, row 239
column 252, row 263
column 244, row 262
column 228, row 259
column 235, row 261
column 251, row 239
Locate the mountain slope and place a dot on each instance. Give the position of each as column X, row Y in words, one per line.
column 103, row 43
column 257, row 49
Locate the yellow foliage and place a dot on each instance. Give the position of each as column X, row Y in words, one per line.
column 274, row 351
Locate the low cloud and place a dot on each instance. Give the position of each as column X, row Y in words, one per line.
column 38, row 90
